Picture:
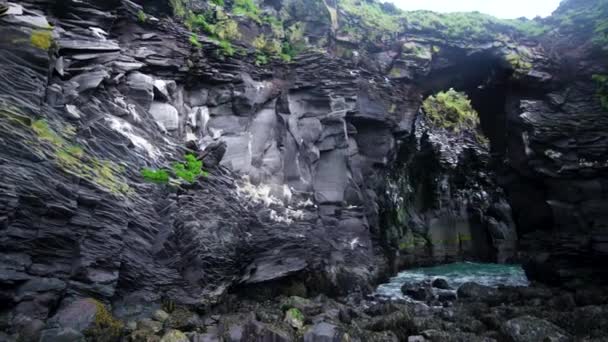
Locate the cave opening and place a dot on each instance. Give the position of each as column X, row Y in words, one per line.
column 485, row 78
column 488, row 81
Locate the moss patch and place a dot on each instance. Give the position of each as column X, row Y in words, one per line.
column 518, row 63
column 73, row 159
column 42, row 39
column 106, row 327
column 411, row 241
column 451, row 110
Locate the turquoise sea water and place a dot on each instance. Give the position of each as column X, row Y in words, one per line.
column 456, row 274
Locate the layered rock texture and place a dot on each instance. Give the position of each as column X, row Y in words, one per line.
column 324, row 173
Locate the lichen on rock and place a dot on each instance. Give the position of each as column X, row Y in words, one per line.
column 42, row 39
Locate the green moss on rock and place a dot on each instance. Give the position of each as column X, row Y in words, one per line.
column 451, row 110
column 73, row 159
column 105, row 328
column 518, row 63
column 295, row 318
column 42, row 39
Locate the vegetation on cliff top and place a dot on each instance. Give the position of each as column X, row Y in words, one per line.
column 452, row 110
column 379, row 19
column 589, row 18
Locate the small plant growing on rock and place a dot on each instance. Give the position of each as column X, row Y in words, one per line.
column 261, row 59
column 179, row 8
column 141, row 16
column 155, row 176
column 194, row 41
column 246, row 8
column 452, row 110
column 189, row 170
column 226, row 48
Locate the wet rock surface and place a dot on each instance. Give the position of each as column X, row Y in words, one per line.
column 514, row 314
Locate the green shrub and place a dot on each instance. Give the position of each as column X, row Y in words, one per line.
column 261, row 59
column 190, row 169
column 602, row 89
column 586, row 18
column 155, row 176
column 376, row 21
column 199, row 21
column 218, row 2
column 246, row 8
column 371, row 14
column 194, row 41
column 179, row 8
column 218, row 26
column 226, row 48
column 259, row 42
column 227, row 29
column 451, row 110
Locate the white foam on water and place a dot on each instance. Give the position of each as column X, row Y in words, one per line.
column 456, row 274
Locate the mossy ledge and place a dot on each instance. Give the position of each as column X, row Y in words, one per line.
column 74, row 160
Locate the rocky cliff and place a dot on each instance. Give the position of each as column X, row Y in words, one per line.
column 324, row 173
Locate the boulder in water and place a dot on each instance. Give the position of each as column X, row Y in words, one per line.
column 417, row 292
column 441, row 283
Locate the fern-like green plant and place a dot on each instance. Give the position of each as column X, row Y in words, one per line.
column 155, row 176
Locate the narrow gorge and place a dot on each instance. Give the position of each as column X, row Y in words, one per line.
column 341, row 142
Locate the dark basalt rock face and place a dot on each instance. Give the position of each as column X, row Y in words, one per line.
column 325, row 175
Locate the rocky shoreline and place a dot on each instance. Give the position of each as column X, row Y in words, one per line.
column 480, row 313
